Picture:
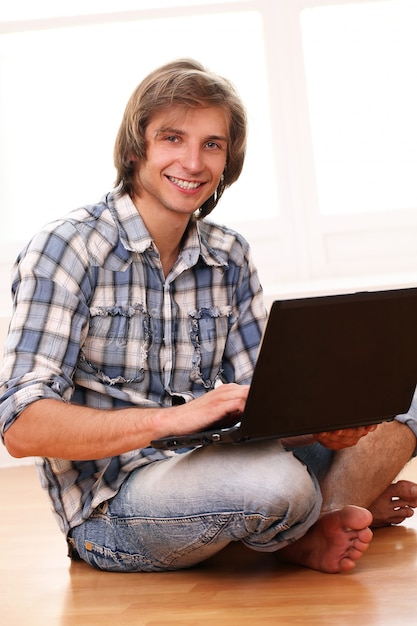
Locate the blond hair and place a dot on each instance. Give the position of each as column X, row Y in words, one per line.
column 187, row 83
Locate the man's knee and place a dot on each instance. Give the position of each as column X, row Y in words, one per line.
column 287, row 501
column 274, row 482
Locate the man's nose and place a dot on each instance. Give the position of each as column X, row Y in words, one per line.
column 192, row 158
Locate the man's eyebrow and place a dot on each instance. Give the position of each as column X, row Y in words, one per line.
column 217, row 138
column 169, row 129
column 177, row 131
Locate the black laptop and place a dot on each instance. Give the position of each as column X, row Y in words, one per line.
column 326, row 363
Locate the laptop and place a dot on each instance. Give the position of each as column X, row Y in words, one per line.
column 326, row 363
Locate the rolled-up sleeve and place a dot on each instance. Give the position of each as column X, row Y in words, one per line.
column 49, row 320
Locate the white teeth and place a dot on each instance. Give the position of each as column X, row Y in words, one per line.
column 184, row 184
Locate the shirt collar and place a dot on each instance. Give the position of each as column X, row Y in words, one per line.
column 132, row 230
column 136, row 238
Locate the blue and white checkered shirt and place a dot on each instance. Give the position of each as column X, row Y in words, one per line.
column 96, row 322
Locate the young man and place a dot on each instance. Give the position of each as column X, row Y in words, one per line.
column 135, row 318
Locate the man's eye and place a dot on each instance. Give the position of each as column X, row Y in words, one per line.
column 172, row 138
column 213, row 145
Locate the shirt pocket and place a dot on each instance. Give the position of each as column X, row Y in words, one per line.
column 117, row 344
column 209, row 332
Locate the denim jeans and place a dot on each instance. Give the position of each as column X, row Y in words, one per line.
column 317, row 458
column 175, row 513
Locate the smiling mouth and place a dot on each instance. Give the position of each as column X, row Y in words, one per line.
column 184, row 184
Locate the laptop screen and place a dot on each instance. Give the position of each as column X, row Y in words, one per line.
column 334, row 362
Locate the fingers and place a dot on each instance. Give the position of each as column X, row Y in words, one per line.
column 223, row 401
column 345, row 438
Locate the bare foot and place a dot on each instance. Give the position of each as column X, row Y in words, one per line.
column 395, row 504
column 334, row 543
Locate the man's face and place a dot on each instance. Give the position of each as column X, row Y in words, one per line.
column 186, row 152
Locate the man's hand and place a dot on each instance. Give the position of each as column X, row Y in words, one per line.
column 226, row 402
column 339, row 439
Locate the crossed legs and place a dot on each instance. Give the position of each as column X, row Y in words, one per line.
column 363, row 475
column 357, row 486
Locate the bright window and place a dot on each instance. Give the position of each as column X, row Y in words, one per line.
column 65, row 91
column 361, row 68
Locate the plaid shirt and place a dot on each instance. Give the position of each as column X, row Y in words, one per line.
column 96, row 322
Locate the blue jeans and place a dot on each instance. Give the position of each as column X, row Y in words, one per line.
column 317, row 458
column 175, row 513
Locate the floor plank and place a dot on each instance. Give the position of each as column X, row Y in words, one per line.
column 39, row 586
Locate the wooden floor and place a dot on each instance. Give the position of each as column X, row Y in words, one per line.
column 40, row 587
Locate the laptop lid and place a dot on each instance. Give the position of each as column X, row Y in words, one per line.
column 327, row 363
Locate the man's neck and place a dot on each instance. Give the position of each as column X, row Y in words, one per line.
column 167, row 232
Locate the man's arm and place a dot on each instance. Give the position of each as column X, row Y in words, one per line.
column 51, row 428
